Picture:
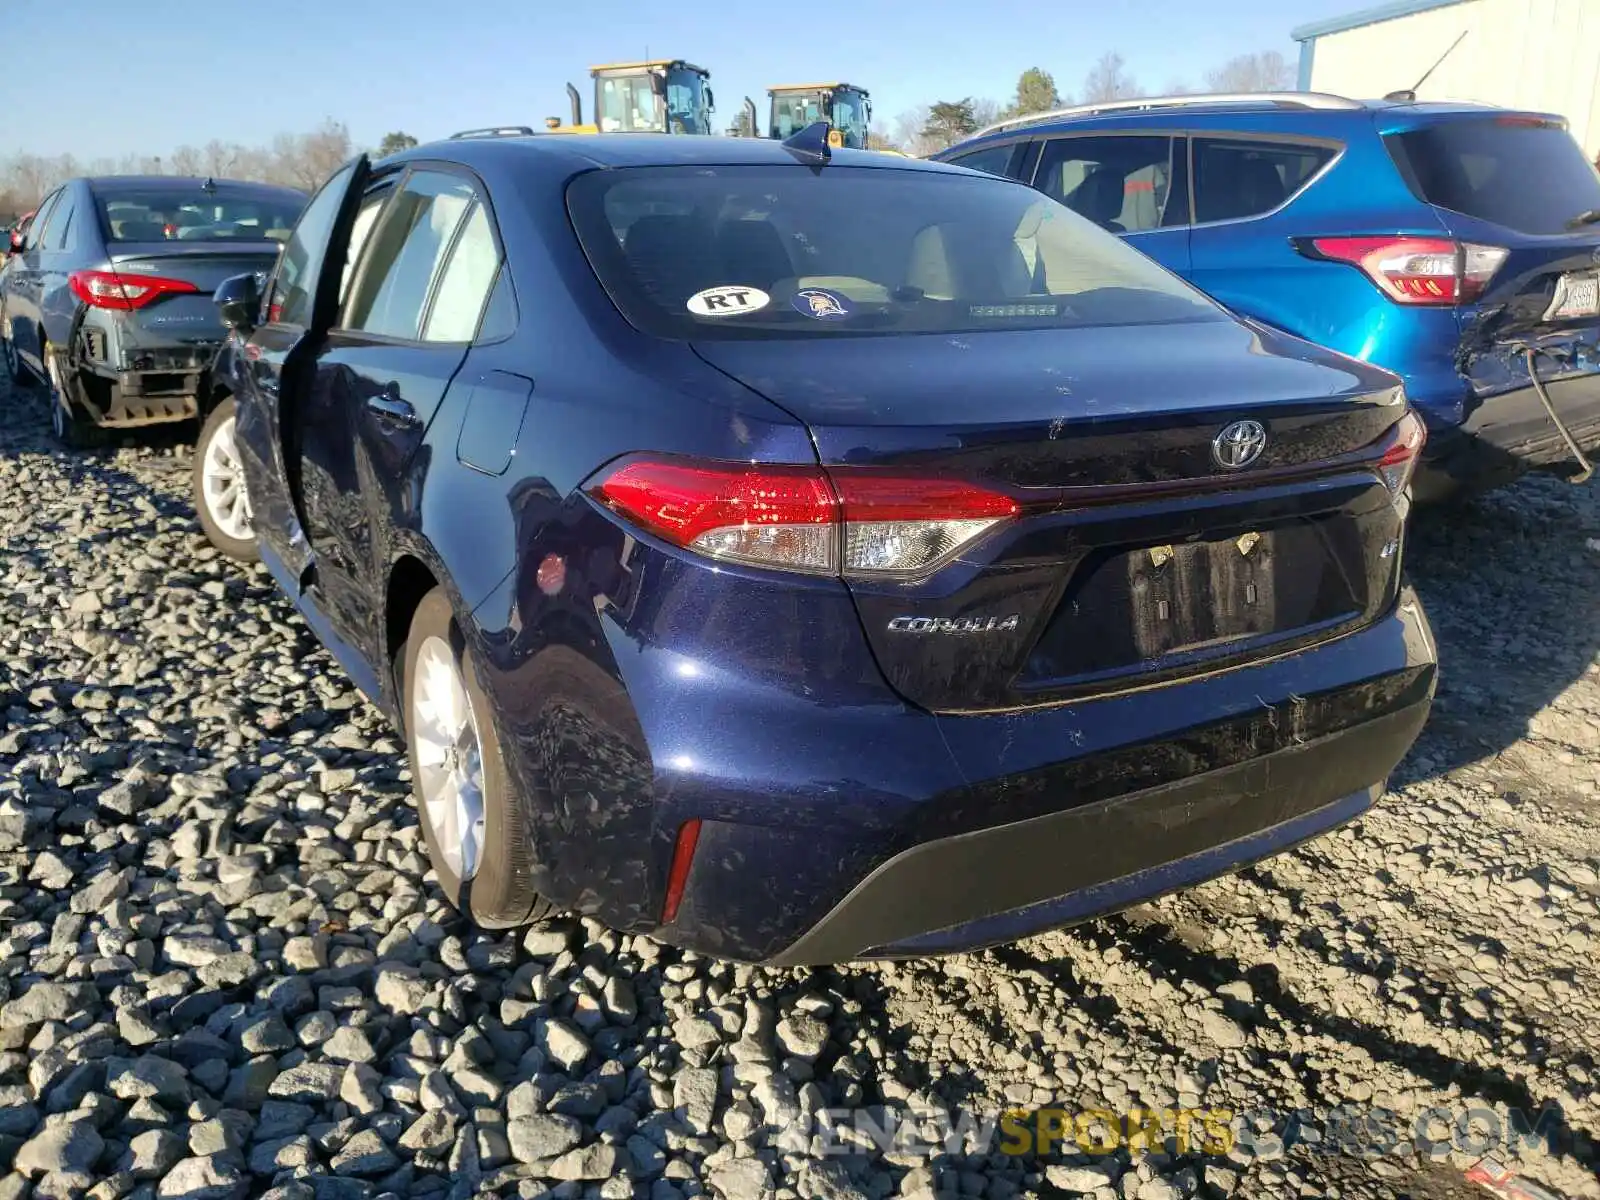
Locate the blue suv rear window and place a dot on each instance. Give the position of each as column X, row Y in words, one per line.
column 1521, row 172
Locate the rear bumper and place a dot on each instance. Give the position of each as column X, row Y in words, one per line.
column 1058, row 815
column 1510, row 433
column 161, row 384
column 999, row 884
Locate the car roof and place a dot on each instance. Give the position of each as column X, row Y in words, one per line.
column 577, row 152
column 1306, row 111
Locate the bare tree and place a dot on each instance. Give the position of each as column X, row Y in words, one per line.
column 219, row 158
column 185, row 160
column 1108, row 79
column 908, row 127
column 30, row 177
column 302, row 160
column 1268, row 71
column 306, row 160
column 883, row 138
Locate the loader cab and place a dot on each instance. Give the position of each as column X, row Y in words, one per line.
column 661, row 96
column 846, row 107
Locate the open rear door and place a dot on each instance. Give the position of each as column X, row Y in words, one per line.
column 301, row 304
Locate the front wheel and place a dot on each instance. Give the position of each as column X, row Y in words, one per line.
column 475, row 830
column 220, row 499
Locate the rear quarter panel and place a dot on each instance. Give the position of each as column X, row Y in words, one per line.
column 569, row 679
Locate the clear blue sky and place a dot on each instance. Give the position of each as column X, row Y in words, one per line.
column 105, row 77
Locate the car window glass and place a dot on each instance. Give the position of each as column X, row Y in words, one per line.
column 360, row 230
column 1235, row 179
column 294, row 285
column 407, row 253
column 41, row 220
column 1483, row 167
column 182, row 212
column 469, row 273
column 994, row 160
column 55, row 234
column 500, row 317
column 756, row 252
column 1120, row 183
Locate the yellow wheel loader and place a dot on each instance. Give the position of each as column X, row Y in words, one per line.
column 846, row 107
column 665, row 95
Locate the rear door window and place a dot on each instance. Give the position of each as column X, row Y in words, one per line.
column 1524, row 173
column 1236, row 179
column 57, row 230
column 1124, row 184
column 407, row 253
column 464, row 287
column 41, row 221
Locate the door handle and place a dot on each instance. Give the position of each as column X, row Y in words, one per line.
column 393, row 407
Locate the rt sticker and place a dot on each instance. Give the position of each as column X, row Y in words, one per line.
column 730, row 300
column 823, row 305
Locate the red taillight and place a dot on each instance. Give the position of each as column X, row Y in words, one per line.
column 1417, row 270
column 849, row 520
column 1402, row 452
column 678, row 874
column 112, row 289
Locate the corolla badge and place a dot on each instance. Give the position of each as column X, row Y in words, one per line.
column 955, row 624
column 1238, row 445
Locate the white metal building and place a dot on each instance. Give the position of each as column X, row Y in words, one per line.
column 1531, row 54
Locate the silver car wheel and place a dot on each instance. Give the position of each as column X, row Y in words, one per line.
column 449, row 758
column 222, row 484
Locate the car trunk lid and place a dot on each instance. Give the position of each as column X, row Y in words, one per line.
column 1134, row 556
column 185, row 316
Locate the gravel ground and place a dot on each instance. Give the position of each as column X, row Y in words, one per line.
column 226, row 969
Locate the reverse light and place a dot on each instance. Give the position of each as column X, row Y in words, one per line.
column 843, row 520
column 113, row 289
column 1416, row 270
column 1402, row 452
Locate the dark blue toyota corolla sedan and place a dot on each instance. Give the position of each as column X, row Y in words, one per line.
column 802, row 557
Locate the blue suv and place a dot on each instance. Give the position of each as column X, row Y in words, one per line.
column 1456, row 245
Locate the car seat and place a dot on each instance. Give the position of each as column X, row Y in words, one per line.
column 753, row 253
column 1100, row 197
column 672, row 257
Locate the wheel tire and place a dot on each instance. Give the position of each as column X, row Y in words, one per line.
column 15, row 371
column 218, row 525
column 499, row 893
column 72, row 430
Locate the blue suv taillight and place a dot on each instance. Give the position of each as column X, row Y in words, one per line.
column 1414, row 270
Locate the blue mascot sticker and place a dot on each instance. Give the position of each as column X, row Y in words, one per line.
column 821, row 304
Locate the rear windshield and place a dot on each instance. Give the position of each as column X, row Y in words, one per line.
column 764, row 251
column 1525, row 174
column 190, row 213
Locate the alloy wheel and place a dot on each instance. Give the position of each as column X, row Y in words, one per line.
column 449, row 758
column 222, row 483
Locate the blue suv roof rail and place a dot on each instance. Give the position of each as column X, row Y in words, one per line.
column 1275, row 99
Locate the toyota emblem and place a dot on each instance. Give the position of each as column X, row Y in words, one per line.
column 1238, row 445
